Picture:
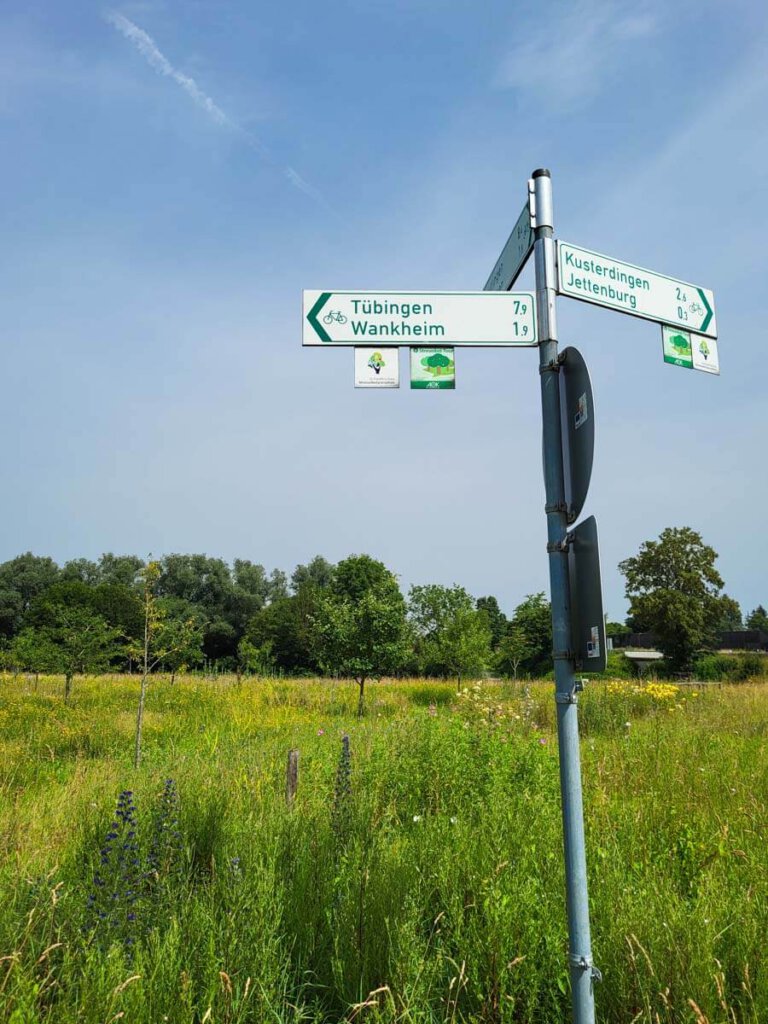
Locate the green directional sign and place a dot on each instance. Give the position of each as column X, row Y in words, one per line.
column 588, row 276
column 419, row 318
column 513, row 255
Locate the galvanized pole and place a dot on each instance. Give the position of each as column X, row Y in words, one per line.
column 582, row 972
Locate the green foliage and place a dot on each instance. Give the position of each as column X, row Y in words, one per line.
column 317, row 573
column 616, row 629
column 360, row 626
column 254, row 620
column 452, row 638
column 734, row 668
column 673, row 587
column 514, row 651
column 466, row 644
column 82, row 570
column 444, row 897
column 22, row 579
column 758, row 619
column 256, row 658
column 527, row 645
column 727, row 614
column 120, row 570
column 33, row 650
column 497, row 620
column 73, row 641
column 359, row 575
column 286, row 629
column 713, row 667
column 165, row 641
column 11, row 612
column 117, row 604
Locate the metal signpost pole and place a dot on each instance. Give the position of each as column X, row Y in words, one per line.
column 582, row 971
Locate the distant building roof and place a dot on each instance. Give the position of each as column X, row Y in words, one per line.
column 731, row 639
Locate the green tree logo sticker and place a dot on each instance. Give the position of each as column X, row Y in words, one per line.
column 704, row 348
column 680, row 344
column 438, row 364
column 376, row 362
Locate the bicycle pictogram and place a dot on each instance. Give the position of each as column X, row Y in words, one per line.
column 696, row 308
column 334, row 315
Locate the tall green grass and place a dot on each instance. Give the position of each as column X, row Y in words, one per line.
column 437, row 895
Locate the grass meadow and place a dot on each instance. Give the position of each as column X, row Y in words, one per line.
column 419, row 879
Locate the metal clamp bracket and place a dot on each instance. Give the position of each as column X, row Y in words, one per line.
column 563, row 655
column 570, row 697
column 532, row 202
column 553, row 366
column 558, row 506
column 558, row 546
column 584, row 963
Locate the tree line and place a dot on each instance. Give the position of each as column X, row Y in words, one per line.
column 349, row 619
column 346, row 619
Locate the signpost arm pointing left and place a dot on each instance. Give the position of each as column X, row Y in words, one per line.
column 313, row 314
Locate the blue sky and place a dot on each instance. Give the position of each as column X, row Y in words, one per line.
column 175, row 173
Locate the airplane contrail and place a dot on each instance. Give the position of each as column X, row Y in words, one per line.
column 154, row 56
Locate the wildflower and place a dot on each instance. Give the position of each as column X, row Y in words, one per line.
column 109, row 904
column 417, row 817
column 627, row 725
column 321, row 732
column 542, row 740
column 454, row 819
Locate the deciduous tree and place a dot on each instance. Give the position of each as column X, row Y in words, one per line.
column 497, row 620
column 360, row 623
column 758, row 619
column 673, row 587
column 75, row 641
column 163, row 639
column 527, row 646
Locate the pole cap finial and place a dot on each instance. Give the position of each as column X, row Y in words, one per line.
column 542, row 172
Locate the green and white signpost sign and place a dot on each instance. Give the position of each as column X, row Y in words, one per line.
column 431, row 324
column 419, row 318
column 513, row 255
column 591, row 277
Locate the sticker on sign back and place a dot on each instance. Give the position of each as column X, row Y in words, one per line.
column 593, row 647
column 581, row 411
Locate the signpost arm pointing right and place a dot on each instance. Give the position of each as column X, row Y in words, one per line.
column 579, row 942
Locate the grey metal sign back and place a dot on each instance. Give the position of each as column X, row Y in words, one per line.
column 587, row 622
column 513, row 256
column 578, row 425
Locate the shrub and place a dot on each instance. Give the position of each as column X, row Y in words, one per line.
column 713, row 668
column 734, row 668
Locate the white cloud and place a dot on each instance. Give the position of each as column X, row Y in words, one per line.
column 563, row 58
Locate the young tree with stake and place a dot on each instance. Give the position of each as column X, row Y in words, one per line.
column 163, row 639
